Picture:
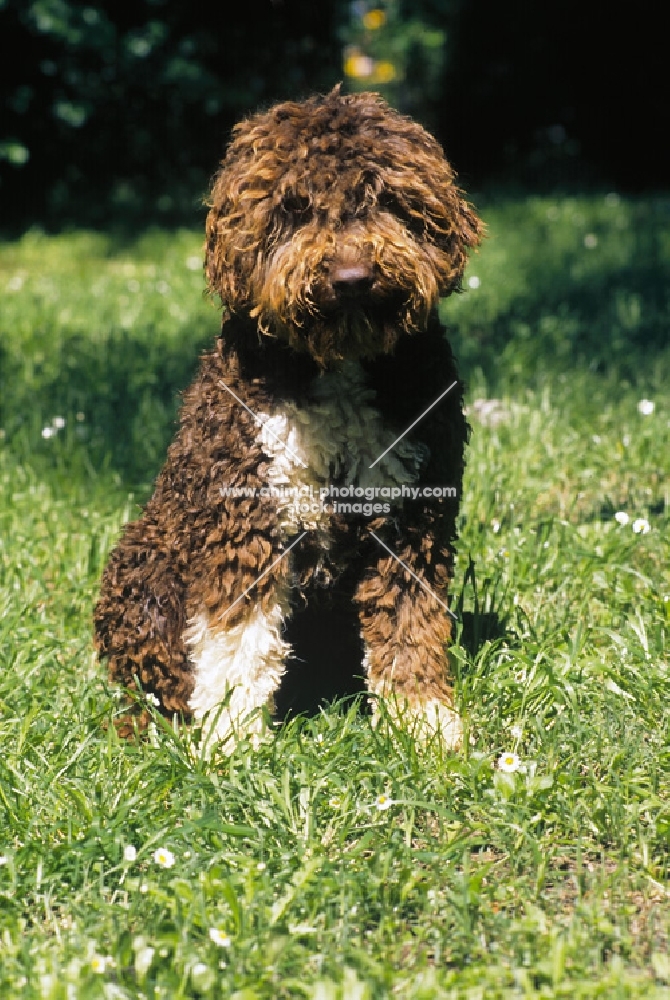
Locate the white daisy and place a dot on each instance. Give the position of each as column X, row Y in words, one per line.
column 99, row 963
column 641, row 526
column 219, row 937
column 509, row 762
column 163, row 857
column 621, row 517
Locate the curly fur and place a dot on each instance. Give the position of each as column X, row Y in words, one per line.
column 334, row 227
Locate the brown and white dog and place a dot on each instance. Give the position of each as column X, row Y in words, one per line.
column 335, row 225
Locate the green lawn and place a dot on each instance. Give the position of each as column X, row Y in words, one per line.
column 339, row 860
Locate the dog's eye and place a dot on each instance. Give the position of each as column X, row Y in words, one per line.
column 295, row 204
column 414, row 221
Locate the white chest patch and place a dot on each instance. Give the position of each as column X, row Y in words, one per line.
column 335, row 438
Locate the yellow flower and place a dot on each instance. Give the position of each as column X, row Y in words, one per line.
column 384, row 72
column 358, row 65
column 374, row 19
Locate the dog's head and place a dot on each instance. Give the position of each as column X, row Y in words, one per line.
column 337, row 224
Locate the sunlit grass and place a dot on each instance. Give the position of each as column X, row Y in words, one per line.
column 339, row 860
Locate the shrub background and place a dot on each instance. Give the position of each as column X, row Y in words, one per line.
column 117, row 114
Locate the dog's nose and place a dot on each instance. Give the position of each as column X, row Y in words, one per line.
column 351, row 280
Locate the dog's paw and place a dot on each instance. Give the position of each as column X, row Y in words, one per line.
column 434, row 717
column 425, row 720
column 222, row 730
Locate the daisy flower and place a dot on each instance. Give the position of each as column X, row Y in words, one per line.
column 99, row 963
column 144, row 956
column 641, row 526
column 129, row 853
column 509, row 762
column 621, row 517
column 219, row 937
column 383, row 802
column 646, row 407
column 163, row 857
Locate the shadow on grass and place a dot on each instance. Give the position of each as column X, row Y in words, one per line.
column 487, row 620
column 588, row 288
column 118, row 398
column 328, row 651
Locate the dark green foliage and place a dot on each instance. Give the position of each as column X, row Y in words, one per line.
column 118, row 114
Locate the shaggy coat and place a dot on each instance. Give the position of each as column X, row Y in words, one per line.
column 335, row 225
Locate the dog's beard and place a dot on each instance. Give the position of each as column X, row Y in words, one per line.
column 353, row 329
column 330, row 337
column 300, row 293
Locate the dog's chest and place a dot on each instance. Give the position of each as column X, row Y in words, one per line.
column 333, row 442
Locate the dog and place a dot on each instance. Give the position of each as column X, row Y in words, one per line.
column 316, row 473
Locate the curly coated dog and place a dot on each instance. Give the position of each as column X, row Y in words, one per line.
column 306, row 511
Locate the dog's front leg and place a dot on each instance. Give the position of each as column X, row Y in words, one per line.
column 237, row 606
column 406, row 627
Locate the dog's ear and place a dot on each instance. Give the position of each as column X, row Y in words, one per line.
column 219, row 259
column 471, row 229
column 464, row 230
column 420, row 186
column 448, row 224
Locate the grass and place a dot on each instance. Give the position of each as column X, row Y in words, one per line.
column 339, row 860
